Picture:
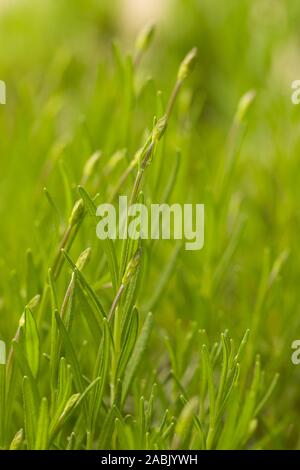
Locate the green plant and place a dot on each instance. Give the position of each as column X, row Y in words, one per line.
column 107, row 406
column 116, row 344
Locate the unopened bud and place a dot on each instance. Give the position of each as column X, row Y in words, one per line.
column 132, row 267
column 77, row 212
column 34, row 302
column 2, row 352
column 187, row 64
column 159, row 129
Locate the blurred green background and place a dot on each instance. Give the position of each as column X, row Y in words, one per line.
column 65, row 100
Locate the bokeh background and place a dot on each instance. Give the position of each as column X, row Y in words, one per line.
column 65, row 100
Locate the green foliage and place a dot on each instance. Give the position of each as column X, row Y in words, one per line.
column 118, row 344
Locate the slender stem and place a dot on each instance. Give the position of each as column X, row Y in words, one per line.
column 67, row 296
column 172, row 98
column 135, row 189
column 131, row 167
column 11, row 350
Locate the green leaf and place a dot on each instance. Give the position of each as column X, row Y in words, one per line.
column 63, row 390
column 70, row 352
column 160, row 285
column 226, row 440
column 54, row 337
column 87, row 311
column 248, row 410
column 64, row 377
column 108, row 426
column 184, row 423
column 223, row 377
column 67, row 185
column 41, row 442
column 87, row 390
column 32, row 342
column 131, row 293
column 54, row 208
column 172, row 179
column 129, row 246
column 67, row 308
column 101, row 370
column 2, row 403
column 118, row 58
column 30, row 413
column 85, row 285
column 32, row 277
column 25, row 368
column 65, row 415
column 211, row 392
column 267, row 394
column 17, row 440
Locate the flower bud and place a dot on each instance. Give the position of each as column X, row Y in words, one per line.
column 131, row 267
column 34, row 302
column 83, row 259
column 145, row 37
column 187, row 64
